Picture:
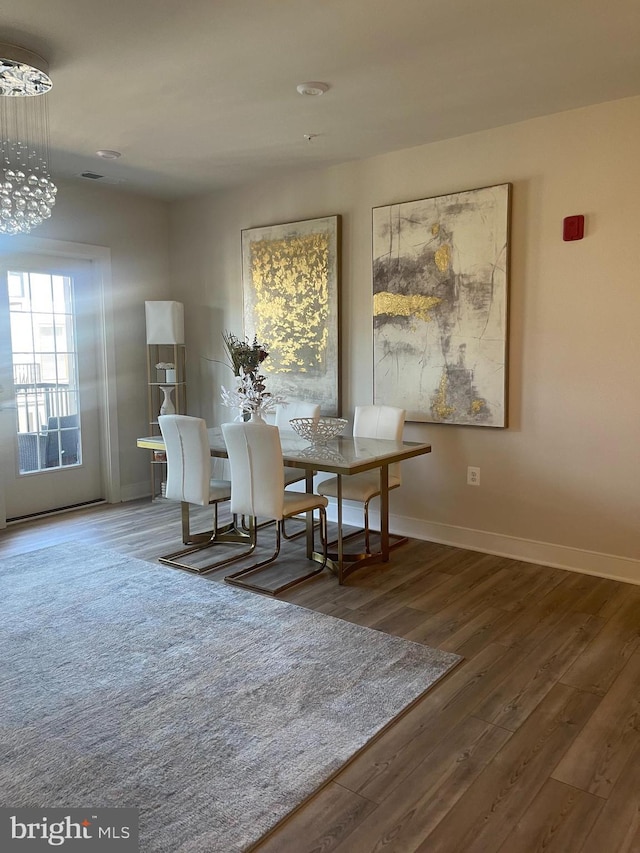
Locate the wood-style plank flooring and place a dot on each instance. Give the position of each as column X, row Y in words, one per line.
column 531, row 744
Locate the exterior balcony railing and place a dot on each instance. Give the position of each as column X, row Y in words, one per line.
column 47, row 421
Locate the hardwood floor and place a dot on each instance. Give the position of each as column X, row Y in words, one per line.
column 531, row 744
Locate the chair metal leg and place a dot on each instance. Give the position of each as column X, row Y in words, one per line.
column 239, row 578
column 207, row 536
column 366, row 527
column 196, row 542
column 397, row 539
column 245, row 526
column 298, row 533
column 268, row 523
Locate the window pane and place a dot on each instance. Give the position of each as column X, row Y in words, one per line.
column 44, row 370
column 41, row 293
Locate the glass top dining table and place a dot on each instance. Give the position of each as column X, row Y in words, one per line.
column 342, row 456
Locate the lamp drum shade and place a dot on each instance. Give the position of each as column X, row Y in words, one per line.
column 165, row 322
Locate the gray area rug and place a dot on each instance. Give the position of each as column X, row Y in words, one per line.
column 213, row 710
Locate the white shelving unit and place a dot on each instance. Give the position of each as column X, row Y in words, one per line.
column 156, row 382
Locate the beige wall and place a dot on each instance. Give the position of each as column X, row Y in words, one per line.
column 135, row 229
column 562, row 484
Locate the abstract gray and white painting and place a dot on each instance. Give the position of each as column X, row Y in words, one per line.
column 440, row 307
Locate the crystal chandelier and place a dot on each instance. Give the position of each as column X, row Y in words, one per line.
column 27, row 193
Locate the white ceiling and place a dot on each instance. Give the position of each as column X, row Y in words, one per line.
column 200, row 95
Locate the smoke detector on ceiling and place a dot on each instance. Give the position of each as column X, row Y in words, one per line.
column 312, row 88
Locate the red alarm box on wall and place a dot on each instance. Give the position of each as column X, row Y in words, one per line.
column 573, row 227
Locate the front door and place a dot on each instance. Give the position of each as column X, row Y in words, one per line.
column 48, row 316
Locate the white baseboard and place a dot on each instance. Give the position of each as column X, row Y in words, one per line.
column 609, row 566
column 135, row 491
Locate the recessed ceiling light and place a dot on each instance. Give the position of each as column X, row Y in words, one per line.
column 312, row 88
column 106, row 154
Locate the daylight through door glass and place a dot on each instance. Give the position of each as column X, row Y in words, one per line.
column 45, row 370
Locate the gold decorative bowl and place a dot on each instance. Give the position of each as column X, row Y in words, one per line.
column 320, row 431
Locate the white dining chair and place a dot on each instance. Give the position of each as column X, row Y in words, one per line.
column 189, row 481
column 283, row 416
column 369, row 422
column 257, row 491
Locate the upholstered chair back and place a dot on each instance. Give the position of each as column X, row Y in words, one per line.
column 295, row 409
column 380, row 422
column 257, row 471
column 188, row 458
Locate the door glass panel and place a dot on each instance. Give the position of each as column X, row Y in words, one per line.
column 45, row 371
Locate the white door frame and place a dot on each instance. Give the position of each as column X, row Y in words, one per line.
column 100, row 256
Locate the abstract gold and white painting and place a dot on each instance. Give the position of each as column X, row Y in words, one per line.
column 440, row 306
column 291, row 289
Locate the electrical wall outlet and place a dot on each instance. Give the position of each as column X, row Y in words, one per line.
column 473, row 476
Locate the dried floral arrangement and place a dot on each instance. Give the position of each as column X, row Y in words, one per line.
column 250, row 394
column 245, row 357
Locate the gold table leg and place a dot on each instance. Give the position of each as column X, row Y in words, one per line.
column 344, row 564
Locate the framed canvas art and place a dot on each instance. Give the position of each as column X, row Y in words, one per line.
column 440, row 306
column 291, row 291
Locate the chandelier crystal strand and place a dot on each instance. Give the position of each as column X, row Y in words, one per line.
column 27, row 193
